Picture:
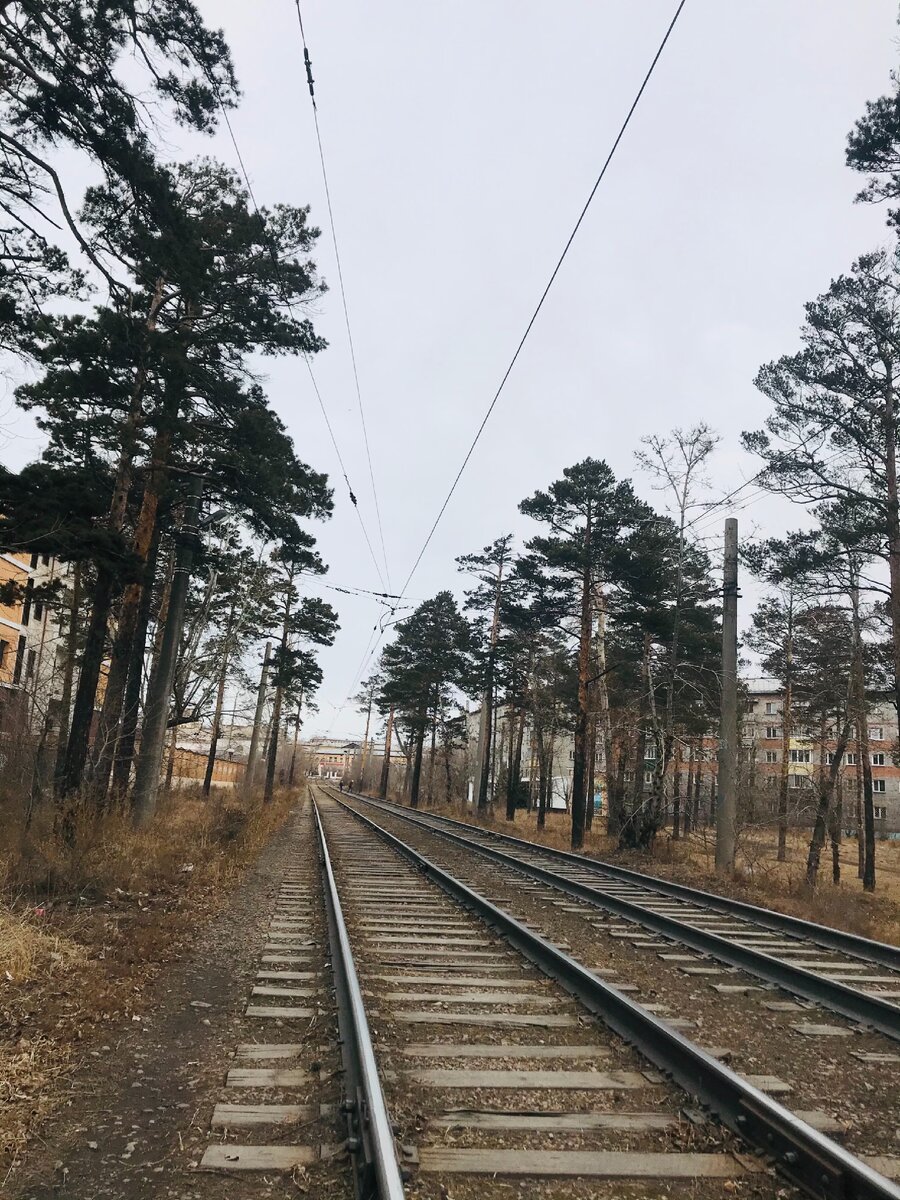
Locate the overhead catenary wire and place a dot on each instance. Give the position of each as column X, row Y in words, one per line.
column 528, row 328
column 544, row 294
column 307, row 62
column 290, row 308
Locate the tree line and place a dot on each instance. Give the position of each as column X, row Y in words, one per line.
column 168, row 486
column 605, row 625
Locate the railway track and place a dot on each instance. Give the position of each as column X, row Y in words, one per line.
column 850, row 975
column 844, row 1087
column 408, row 1035
column 492, row 1072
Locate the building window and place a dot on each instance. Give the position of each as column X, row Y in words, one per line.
column 850, row 758
column 801, row 756
column 772, row 732
column 648, row 777
column 38, row 610
column 45, row 559
column 877, row 733
column 629, row 776
column 29, row 668
column 795, row 781
column 770, row 708
column 880, row 812
column 4, row 650
column 34, row 561
column 878, row 785
column 771, row 756
column 878, row 760
column 829, row 757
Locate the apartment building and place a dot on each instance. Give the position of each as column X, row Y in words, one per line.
column 31, row 649
column 809, row 753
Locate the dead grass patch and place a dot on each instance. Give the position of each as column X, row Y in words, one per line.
column 84, row 929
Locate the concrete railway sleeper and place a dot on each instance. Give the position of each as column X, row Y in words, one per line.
column 279, row 1110
column 505, row 1078
column 796, row 965
column 385, row 901
column 838, row 940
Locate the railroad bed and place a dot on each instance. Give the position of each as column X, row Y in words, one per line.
column 808, row 956
column 411, row 1033
column 492, row 1073
column 833, row 1076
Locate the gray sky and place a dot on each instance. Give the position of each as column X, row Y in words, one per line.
column 461, row 142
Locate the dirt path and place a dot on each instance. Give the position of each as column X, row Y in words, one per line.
column 137, row 1120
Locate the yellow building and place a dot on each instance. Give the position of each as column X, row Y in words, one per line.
column 14, row 568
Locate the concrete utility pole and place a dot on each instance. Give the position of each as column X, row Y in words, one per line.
column 726, row 809
column 162, row 679
column 253, row 752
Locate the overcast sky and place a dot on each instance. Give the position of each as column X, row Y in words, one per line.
column 461, row 141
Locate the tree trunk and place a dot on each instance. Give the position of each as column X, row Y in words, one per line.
column 510, row 759
column 632, row 829
column 579, row 767
column 272, row 758
column 613, row 823
column 432, row 757
column 65, row 700
column 170, row 765
column 275, row 727
column 676, row 793
column 132, row 703
column 386, row 761
column 835, row 827
column 862, row 727
column 485, row 732
column 787, row 718
column 860, row 831
column 592, row 773
column 826, row 791
column 541, row 749
column 159, row 689
column 689, row 790
column 253, row 751
column 145, row 534
column 220, row 701
column 893, row 539
column 86, row 692
column 416, row 776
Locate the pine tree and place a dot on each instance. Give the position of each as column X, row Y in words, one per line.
column 429, row 658
column 588, row 511
column 832, row 437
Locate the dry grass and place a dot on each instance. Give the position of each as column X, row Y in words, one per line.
column 84, row 930
column 758, row 879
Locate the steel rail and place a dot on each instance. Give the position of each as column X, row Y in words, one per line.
column 857, row 1006
column 852, row 944
column 377, row 1173
column 808, row 1158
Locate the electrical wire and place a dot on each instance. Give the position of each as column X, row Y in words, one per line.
column 337, row 257
column 294, row 318
column 546, row 292
column 540, row 304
